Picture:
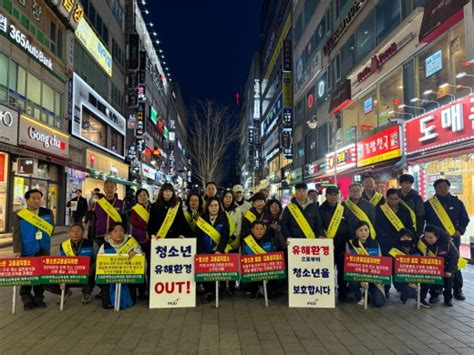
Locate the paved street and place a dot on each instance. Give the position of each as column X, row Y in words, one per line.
column 239, row 326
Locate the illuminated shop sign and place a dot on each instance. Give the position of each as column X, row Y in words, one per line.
column 380, row 147
column 344, row 159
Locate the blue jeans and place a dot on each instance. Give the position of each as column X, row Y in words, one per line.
column 376, row 297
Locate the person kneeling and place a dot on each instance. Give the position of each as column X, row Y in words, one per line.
column 115, row 242
column 436, row 242
column 363, row 244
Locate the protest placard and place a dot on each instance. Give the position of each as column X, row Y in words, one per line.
column 217, row 267
column 259, row 267
column 20, row 271
column 311, row 273
column 64, row 269
column 172, row 273
column 364, row 268
column 419, row 269
column 113, row 268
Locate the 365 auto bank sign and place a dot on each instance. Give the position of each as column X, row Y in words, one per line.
column 39, row 137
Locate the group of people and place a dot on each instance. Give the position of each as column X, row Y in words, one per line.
column 365, row 223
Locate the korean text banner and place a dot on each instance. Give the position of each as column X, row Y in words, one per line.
column 364, row 268
column 269, row 266
column 113, row 268
column 64, row 269
column 311, row 273
column 20, row 271
column 217, row 267
column 172, row 273
column 419, row 269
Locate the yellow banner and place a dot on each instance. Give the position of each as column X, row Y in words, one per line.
column 67, row 248
column 361, row 215
column 110, row 210
column 301, row 220
column 189, row 218
column 376, row 198
column 424, row 249
column 392, row 217
column 129, row 245
column 394, row 252
column 251, row 217
column 36, row 220
column 142, row 212
column 211, row 232
column 169, row 219
column 442, row 215
column 359, row 250
column 412, row 213
column 253, row 245
column 231, row 224
column 113, row 264
column 335, row 221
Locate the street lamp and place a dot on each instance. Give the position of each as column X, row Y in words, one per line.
column 423, row 101
column 463, row 74
column 401, row 113
column 456, row 86
column 409, row 106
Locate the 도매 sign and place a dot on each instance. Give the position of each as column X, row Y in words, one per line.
column 450, row 124
column 311, row 273
column 112, row 268
column 172, row 273
column 217, row 267
column 364, row 268
column 383, row 146
column 64, row 269
column 269, row 266
column 419, row 269
column 20, row 271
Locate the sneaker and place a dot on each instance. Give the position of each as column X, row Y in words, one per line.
column 361, row 302
column 29, row 306
column 434, row 300
column 448, row 303
column 86, row 298
column 67, row 294
column 424, row 304
column 459, row 296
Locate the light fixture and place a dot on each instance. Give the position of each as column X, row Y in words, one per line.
column 464, row 87
column 444, row 85
column 157, row 42
column 150, row 24
column 155, row 34
column 147, row 12
column 163, row 56
column 414, row 107
column 461, row 75
column 400, row 113
column 425, row 101
column 167, row 69
column 427, row 92
column 164, row 62
column 160, row 50
column 415, row 99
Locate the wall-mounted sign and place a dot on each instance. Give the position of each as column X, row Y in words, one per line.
column 256, row 99
column 141, row 93
column 344, row 159
column 368, row 105
column 8, row 125
column 310, row 100
column 140, row 114
column 272, row 116
column 39, row 137
column 153, row 115
column 161, row 126
column 87, row 37
column 270, row 143
column 450, row 124
column 22, row 40
column 315, row 168
column 341, row 97
column 133, row 51
column 383, row 146
column 286, row 142
column 287, row 56
column 434, row 63
column 307, row 71
column 148, row 171
column 71, row 10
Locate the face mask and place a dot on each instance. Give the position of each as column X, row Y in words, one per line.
column 406, row 243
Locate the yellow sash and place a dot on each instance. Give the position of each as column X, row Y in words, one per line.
column 250, row 216
column 376, row 198
column 189, row 218
column 253, row 245
column 424, row 249
column 36, row 220
column 67, row 248
column 394, row 252
column 361, row 215
column 231, row 224
column 301, row 220
column 442, row 215
column 169, row 219
column 412, row 213
column 335, row 221
column 211, row 232
column 110, row 210
column 392, row 217
column 129, row 245
column 142, row 212
column 359, row 250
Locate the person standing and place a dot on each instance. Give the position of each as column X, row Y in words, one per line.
column 234, row 214
column 95, row 196
column 240, row 200
column 211, row 190
column 448, row 213
column 33, row 227
column 370, row 193
column 301, row 217
column 194, row 208
column 360, row 209
column 254, row 213
column 335, row 221
column 412, row 200
column 166, row 216
column 78, row 206
column 313, row 196
column 107, row 210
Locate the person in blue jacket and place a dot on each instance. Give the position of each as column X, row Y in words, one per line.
column 363, row 244
column 33, row 227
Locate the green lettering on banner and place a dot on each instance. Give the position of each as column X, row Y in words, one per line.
column 120, row 279
column 64, row 279
column 376, row 279
column 19, row 281
column 217, row 276
column 261, row 276
column 421, row 278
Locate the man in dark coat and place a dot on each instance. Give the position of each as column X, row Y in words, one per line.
column 79, row 206
column 411, row 199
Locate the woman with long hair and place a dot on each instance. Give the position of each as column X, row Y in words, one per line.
column 194, row 208
column 234, row 214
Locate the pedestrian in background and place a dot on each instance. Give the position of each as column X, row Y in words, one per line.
column 78, row 206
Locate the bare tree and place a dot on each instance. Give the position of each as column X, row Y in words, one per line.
column 211, row 132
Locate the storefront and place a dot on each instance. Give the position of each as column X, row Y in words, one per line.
column 440, row 144
column 149, row 181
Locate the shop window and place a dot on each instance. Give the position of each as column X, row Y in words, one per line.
column 34, row 89
column 116, row 142
column 48, row 98
column 388, row 13
column 349, row 124
column 3, row 73
column 367, row 115
column 390, row 96
column 57, row 103
column 12, row 75
column 21, row 81
column 347, row 57
column 93, row 129
column 323, row 142
column 458, row 55
column 365, row 37
column 309, row 10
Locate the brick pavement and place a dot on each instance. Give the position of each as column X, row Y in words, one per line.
column 239, row 326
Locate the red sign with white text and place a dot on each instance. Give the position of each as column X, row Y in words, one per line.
column 450, row 124
column 64, row 269
column 216, row 267
column 383, row 146
column 20, row 271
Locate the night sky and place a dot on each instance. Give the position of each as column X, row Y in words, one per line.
column 208, row 46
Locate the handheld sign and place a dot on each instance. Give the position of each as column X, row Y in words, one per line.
column 261, row 267
column 311, row 273
column 371, row 269
column 20, row 271
column 172, row 273
column 64, row 269
column 115, row 269
column 419, row 269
